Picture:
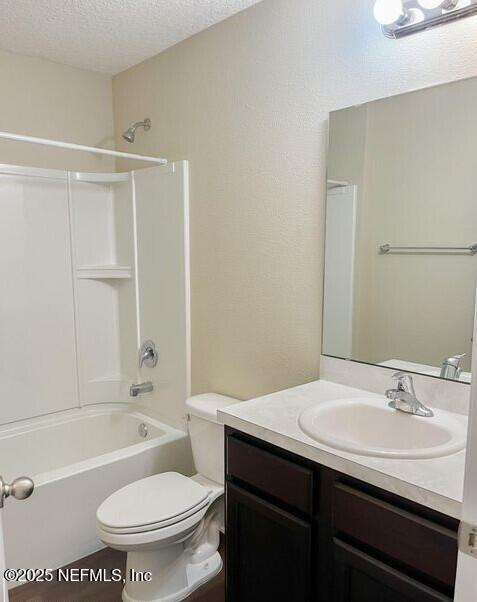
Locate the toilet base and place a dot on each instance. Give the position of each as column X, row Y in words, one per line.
column 197, row 574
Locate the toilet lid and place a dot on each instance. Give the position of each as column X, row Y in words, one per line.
column 152, row 503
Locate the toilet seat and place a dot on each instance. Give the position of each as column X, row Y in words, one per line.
column 153, row 503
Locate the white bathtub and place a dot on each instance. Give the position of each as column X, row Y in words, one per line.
column 77, row 459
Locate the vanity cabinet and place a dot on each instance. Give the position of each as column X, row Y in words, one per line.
column 358, row 577
column 297, row 531
column 263, row 539
column 269, row 521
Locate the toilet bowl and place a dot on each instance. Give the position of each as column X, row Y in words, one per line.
column 169, row 524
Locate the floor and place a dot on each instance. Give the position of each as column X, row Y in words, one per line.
column 87, row 591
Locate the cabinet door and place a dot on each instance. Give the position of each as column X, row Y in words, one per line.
column 268, row 551
column 361, row 578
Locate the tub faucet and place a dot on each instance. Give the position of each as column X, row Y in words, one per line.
column 451, row 368
column 403, row 397
column 140, row 388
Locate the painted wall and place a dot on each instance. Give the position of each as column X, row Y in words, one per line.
column 247, row 103
column 49, row 100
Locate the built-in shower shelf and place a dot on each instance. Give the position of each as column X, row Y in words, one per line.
column 104, row 272
column 101, row 178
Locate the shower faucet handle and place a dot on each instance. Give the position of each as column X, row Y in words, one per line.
column 21, row 489
column 148, row 355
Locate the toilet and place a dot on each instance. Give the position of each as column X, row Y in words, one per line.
column 169, row 524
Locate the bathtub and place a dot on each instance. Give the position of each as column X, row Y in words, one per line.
column 77, row 459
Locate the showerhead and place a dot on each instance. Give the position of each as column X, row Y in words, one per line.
column 130, row 134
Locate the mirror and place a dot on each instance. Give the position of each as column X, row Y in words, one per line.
column 401, row 232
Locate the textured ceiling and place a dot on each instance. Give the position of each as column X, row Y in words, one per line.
column 106, row 35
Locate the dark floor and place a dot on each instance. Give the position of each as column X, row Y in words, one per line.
column 85, row 591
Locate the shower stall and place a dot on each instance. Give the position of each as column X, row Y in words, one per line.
column 92, row 266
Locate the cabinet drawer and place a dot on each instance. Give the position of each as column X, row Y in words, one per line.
column 408, row 538
column 283, row 480
column 358, row 576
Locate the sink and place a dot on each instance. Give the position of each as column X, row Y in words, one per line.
column 367, row 426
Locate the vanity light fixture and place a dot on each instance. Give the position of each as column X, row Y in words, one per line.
column 399, row 18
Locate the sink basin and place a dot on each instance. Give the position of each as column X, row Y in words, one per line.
column 367, row 426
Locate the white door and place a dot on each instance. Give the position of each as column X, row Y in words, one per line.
column 338, row 300
column 3, row 585
column 466, row 584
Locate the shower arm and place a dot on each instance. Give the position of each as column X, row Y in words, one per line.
column 146, row 124
column 130, row 134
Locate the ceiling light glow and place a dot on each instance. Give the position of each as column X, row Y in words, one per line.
column 388, row 12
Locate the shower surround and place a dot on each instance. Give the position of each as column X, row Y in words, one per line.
column 92, row 265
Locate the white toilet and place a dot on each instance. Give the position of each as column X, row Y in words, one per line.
column 169, row 524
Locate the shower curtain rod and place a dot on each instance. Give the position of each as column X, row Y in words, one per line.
column 80, row 147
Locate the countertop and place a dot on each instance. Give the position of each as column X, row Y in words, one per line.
column 436, row 483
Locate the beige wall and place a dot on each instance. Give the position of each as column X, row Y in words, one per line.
column 49, row 100
column 246, row 102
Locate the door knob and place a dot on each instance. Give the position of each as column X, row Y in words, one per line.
column 20, row 489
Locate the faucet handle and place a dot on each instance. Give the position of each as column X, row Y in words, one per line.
column 400, row 375
column 405, row 382
column 455, row 362
column 148, row 354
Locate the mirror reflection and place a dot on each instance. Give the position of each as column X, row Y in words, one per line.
column 401, row 232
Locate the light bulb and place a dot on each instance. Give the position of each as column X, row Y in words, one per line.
column 387, row 12
column 432, row 4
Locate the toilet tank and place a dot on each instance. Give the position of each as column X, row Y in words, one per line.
column 207, row 434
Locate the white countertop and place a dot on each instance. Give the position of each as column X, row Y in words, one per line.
column 436, row 483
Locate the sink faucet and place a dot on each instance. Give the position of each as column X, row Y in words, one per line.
column 451, row 368
column 403, row 397
column 140, row 388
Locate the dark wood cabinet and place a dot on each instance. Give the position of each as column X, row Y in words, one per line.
column 269, row 551
column 287, row 482
column 358, row 577
column 297, row 532
column 421, row 544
